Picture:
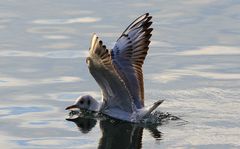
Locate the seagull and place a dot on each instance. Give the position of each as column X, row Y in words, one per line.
column 118, row 73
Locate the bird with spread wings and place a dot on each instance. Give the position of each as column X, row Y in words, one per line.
column 119, row 74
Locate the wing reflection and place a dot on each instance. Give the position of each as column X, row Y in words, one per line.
column 117, row 134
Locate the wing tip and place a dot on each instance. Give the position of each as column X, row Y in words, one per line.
column 146, row 14
column 94, row 35
column 93, row 41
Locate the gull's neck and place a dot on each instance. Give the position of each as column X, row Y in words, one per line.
column 95, row 106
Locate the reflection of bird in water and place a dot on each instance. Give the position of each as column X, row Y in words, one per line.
column 117, row 134
column 84, row 124
column 118, row 72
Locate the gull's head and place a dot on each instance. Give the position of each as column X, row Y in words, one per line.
column 86, row 102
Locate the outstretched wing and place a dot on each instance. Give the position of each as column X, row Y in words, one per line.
column 129, row 53
column 114, row 91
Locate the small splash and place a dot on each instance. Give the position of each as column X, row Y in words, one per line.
column 159, row 118
column 156, row 118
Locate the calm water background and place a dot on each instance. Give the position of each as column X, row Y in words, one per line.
column 193, row 63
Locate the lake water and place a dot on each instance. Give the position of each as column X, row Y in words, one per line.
column 193, row 63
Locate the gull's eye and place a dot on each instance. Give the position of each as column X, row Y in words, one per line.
column 81, row 102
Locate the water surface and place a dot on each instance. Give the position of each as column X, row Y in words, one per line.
column 193, row 64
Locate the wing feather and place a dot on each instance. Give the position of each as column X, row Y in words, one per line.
column 115, row 93
column 129, row 53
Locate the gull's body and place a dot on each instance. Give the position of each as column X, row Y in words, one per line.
column 119, row 73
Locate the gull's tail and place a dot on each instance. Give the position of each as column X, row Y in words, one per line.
column 153, row 107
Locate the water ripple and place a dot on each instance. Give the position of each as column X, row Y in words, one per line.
column 66, row 21
column 10, row 82
column 51, row 30
column 212, row 50
column 47, row 54
column 56, row 37
column 8, row 111
column 175, row 74
column 79, row 142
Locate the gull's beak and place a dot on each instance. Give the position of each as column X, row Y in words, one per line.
column 72, row 107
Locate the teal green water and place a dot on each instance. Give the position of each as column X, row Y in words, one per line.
column 193, row 64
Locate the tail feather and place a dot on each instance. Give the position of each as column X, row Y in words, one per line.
column 153, row 107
